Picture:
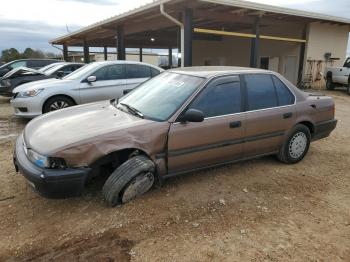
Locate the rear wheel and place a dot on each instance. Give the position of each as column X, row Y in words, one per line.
column 130, row 180
column 329, row 83
column 57, row 102
column 296, row 146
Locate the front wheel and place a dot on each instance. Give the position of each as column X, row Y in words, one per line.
column 296, row 146
column 130, row 180
column 56, row 103
column 329, row 83
column 348, row 88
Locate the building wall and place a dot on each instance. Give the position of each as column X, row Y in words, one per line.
column 235, row 51
column 283, row 56
column 323, row 38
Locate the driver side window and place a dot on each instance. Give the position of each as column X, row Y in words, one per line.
column 110, row 72
column 347, row 63
column 220, row 97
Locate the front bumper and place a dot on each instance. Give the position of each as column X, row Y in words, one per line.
column 32, row 106
column 324, row 128
column 53, row 183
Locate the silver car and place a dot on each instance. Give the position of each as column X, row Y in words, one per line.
column 94, row 82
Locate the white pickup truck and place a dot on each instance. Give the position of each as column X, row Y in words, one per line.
column 338, row 76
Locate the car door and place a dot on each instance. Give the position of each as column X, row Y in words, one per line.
column 270, row 113
column 110, row 83
column 218, row 138
column 136, row 74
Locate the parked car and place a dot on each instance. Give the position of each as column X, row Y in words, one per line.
column 94, row 82
column 338, row 76
column 180, row 121
column 22, row 75
column 31, row 63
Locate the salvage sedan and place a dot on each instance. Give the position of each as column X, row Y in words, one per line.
column 94, row 82
column 180, row 121
column 22, row 75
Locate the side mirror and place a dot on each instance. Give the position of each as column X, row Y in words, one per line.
column 192, row 115
column 91, row 79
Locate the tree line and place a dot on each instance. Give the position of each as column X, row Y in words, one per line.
column 11, row 54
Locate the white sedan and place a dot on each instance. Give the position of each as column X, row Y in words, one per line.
column 93, row 82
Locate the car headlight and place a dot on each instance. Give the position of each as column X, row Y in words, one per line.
column 46, row 162
column 29, row 93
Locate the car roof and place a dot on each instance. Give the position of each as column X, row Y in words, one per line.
column 70, row 63
column 124, row 62
column 212, row 71
column 37, row 59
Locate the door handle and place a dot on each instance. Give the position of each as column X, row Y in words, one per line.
column 235, row 124
column 287, row 115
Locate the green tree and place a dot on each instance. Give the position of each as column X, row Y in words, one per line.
column 13, row 54
column 10, row 54
column 38, row 54
column 28, row 53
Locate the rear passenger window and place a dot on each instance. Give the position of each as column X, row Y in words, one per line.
column 138, row 71
column 260, row 91
column 284, row 95
column 110, row 72
column 219, row 98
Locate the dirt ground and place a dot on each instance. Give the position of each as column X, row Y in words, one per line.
column 259, row 210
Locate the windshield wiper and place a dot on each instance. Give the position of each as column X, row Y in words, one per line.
column 133, row 110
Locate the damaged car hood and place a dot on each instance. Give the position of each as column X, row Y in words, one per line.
column 21, row 71
column 82, row 134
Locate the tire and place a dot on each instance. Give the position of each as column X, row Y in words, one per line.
column 130, row 180
column 329, row 83
column 348, row 88
column 56, row 103
column 296, row 145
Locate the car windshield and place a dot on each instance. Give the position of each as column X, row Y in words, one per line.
column 82, row 71
column 161, row 96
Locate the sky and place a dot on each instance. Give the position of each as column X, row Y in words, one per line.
column 33, row 23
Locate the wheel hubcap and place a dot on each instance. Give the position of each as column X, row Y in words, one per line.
column 58, row 105
column 138, row 186
column 297, row 145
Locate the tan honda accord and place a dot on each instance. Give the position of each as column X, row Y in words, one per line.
column 180, row 121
